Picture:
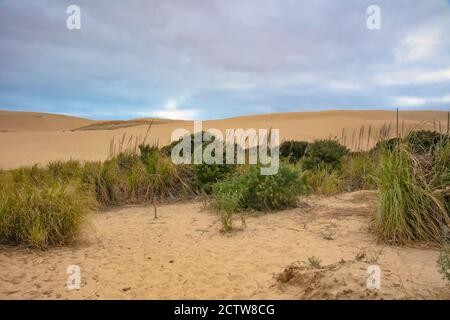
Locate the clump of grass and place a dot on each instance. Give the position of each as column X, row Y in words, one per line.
column 324, row 181
column 412, row 205
column 41, row 215
column 130, row 177
column 314, row 262
column 443, row 262
column 44, row 206
column 64, row 170
column 358, row 171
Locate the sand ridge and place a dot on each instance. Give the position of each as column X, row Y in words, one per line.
column 12, row 121
column 21, row 147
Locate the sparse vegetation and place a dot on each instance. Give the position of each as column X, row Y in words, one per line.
column 314, row 262
column 44, row 206
column 443, row 262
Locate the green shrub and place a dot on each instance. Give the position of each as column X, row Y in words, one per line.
column 424, row 141
column 418, row 142
column 208, row 174
column 293, row 150
column 251, row 190
column 323, row 153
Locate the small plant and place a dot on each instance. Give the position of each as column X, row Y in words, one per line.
column 323, row 153
column 314, row 262
column 293, row 150
column 443, row 262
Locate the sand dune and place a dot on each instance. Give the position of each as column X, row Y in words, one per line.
column 183, row 255
column 33, row 121
column 39, row 138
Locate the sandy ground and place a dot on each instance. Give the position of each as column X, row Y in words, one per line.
column 128, row 254
column 12, row 121
column 44, row 142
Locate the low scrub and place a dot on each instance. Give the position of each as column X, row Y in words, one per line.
column 324, row 153
column 250, row 190
column 293, row 150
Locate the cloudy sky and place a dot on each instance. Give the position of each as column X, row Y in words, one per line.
column 204, row 59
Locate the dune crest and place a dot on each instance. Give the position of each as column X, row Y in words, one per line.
column 28, row 138
column 16, row 121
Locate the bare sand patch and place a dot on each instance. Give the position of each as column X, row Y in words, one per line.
column 127, row 254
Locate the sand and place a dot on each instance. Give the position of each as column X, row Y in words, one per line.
column 26, row 141
column 12, row 121
column 127, row 254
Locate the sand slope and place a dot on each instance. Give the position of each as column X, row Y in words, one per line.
column 31, row 146
column 182, row 254
column 33, row 121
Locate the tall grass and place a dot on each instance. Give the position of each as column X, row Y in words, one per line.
column 45, row 206
column 41, row 213
column 412, row 195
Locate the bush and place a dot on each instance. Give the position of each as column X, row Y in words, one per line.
column 42, row 215
column 323, row 153
column 293, row 150
column 251, row 190
column 424, row 141
column 418, row 142
column 208, row 174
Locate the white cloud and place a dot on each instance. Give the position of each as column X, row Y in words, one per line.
column 411, row 77
column 171, row 111
column 420, row 101
column 344, row 85
column 419, row 46
column 409, row 101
